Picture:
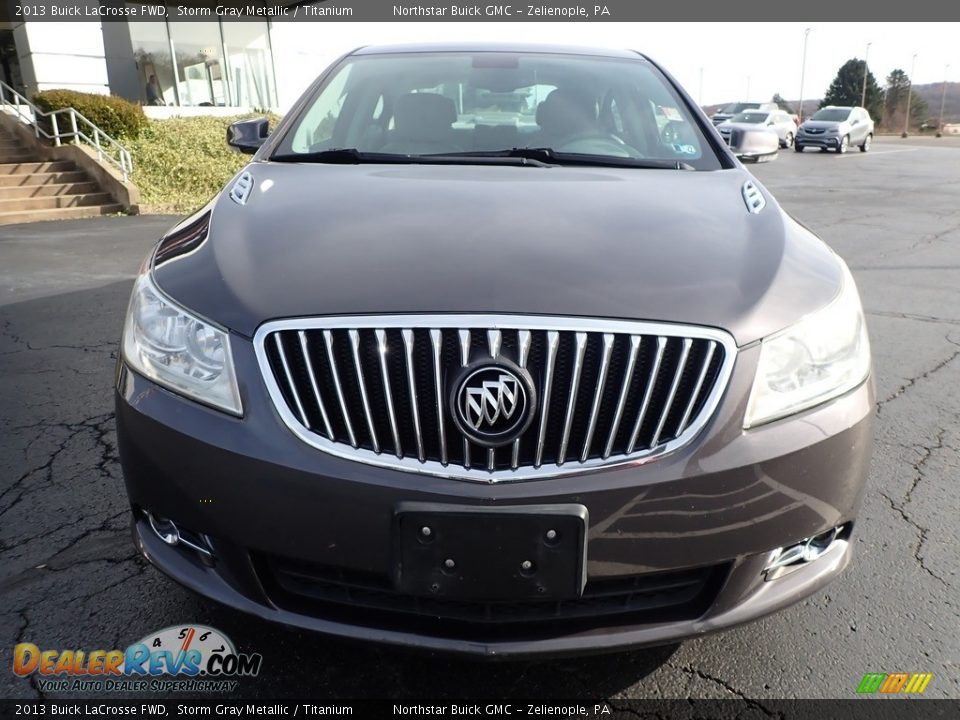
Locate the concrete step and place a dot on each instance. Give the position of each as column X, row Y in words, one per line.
column 42, row 178
column 35, row 167
column 24, row 216
column 57, row 201
column 20, row 156
column 49, row 190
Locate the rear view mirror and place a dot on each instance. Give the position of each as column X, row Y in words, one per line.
column 248, row 135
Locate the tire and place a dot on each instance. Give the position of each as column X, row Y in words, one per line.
column 798, row 147
column 788, row 141
column 865, row 147
column 844, row 145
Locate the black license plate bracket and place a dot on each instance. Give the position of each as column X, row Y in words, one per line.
column 469, row 553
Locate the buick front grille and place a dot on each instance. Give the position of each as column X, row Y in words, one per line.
column 381, row 390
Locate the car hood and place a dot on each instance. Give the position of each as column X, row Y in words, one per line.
column 664, row 245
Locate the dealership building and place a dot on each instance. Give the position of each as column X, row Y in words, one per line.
column 174, row 64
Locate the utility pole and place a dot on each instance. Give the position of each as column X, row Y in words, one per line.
column 747, row 98
column 863, row 96
column 943, row 98
column 803, row 69
column 906, row 120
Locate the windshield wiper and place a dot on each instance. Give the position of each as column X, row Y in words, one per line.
column 353, row 156
column 549, row 156
column 535, row 157
column 341, row 156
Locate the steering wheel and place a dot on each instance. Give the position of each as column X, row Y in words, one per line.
column 670, row 133
column 598, row 143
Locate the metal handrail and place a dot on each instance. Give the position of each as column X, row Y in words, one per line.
column 81, row 129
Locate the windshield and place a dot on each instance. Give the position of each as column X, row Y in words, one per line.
column 831, row 114
column 734, row 108
column 753, row 118
column 417, row 105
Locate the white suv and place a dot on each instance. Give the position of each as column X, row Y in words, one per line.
column 776, row 121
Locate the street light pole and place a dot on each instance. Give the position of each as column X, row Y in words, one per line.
column 906, row 120
column 943, row 98
column 803, row 69
column 863, row 96
column 748, row 89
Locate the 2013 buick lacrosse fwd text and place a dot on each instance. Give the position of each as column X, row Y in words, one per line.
column 495, row 350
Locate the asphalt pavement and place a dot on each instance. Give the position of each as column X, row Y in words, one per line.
column 69, row 576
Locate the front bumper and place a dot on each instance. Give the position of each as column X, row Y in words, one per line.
column 822, row 141
column 266, row 502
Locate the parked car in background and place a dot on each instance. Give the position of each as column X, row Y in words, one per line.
column 776, row 121
column 836, row 128
column 738, row 107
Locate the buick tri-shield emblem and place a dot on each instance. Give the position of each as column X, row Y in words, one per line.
column 493, row 403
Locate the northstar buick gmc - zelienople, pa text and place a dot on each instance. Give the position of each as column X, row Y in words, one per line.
column 495, row 350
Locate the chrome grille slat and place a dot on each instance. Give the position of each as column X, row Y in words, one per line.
column 687, row 342
column 436, row 343
column 523, row 352
column 704, row 367
column 358, row 366
column 328, row 341
column 553, row 341
column 408, row 342
column 313, row 383
column 464, row 336
column 381, row 336
column 581, row 340
column 647, row 394
column 606, row 392
column 622, row 400
column 290, row 383
column 608, row 340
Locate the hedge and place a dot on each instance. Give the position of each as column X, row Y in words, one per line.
column 118, row 118
column 180, row 163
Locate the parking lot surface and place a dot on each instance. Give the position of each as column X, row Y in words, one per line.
column 69, row 576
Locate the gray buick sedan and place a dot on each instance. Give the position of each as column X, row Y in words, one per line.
column 495, row 350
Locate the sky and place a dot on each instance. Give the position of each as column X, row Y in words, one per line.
column 737, row 59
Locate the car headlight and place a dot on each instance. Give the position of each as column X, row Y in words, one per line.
column 178, row 350
column 822, row 356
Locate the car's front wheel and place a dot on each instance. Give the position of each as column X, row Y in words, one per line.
column 798, row 147
column 844, row 144
column 788, row 140
column 865, row 147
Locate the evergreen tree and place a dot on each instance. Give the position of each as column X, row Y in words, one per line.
column 895, row 101
column 847, row 88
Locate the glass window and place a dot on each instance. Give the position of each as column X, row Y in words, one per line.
column 249, row 64
column 445, row 103
column 151, row 52
column 199, row 63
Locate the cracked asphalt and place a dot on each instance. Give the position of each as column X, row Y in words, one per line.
column 69, row 576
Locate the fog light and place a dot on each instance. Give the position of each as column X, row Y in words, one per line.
column 168, row 531
column 164, row 529
column 792, row 557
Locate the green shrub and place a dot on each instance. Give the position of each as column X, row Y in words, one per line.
column 118, row 118
column 180, row 163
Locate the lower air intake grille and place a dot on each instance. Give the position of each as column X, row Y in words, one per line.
column 369, row 599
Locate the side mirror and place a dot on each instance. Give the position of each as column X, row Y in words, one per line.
column 854, row 121
column 248, row 135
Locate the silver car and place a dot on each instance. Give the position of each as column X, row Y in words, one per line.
column 836, row 128
column 776, row 121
